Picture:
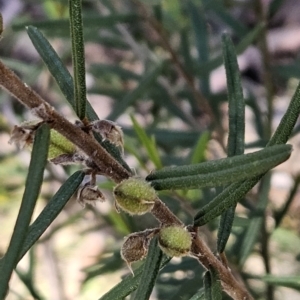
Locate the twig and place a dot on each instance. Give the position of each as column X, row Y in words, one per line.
column 204, row 255
column 111, row 168
column 38, row 106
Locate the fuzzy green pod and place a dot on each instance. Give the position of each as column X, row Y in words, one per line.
column 175, row 240
column 135, row 196
column 59, row 145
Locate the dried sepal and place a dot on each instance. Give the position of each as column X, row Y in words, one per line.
column 89, row 194
column 68, row 159
column 23, row 135
column 135, row 196
column 109, row 130
column 175, row 240
column 135, row 246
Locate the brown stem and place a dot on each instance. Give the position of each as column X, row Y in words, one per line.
column 111, row 168
column 204, row 255
column 104, row 161
column 162, row 213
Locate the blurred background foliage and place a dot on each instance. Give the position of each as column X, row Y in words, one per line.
column 155, row 66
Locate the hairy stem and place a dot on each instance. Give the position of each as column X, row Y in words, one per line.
column 104, row 161
column 206, row 258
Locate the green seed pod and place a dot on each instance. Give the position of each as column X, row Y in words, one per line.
column 135, row 196
column 59, row 145
column 175, row 240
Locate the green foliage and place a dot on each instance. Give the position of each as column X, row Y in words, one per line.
column 172, row 121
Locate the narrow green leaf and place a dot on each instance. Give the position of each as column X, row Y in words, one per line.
column 211, row 168
column 60, row 27
column 207, row 285
column 258, row 123
column 274, row 6
column 222, row 12
column 286, row 281
column 32, row 189
column 225, row 227
column 158, row 92
column 51, row 210
column 279, row 215
column 78, row 58
column 212, row 285
column 236, row 191
column 150, row 272
column 288, row 121
column 199, row 151
column 168, row 139
column 100, row 69
column 254, row 228
column 185, row 48
column 129, row 283
column 206, row 68
column 217, row 165
column 236, row 101
column 236, row 134
column 224, row 200
column 131, row 97
column 57, row 69
column 199, row 25
column 200, row 295
column 149, row 143
column 287, row 71
column 223, row 177
column 65, row 83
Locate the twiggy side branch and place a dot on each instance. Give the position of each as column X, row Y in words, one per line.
column 111, row 168
column 204, row 255
column 104, row 161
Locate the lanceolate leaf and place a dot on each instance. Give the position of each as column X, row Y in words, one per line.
column 286, row 281
column 131, row 97
column 225, row 176
column 57, row 69
column 65, row 82
column 215, row 166
column 150, row 272
column 253, row 229
column 129, row 283
column 76, row 30
column 199, row 26
column 148, row 143
column 236, row 191
column 236, row 136
column 32, row 189
column 240, row 48
column 212, row 285
column 51, row 210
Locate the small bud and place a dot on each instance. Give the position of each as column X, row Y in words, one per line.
column 175, row 240
column 136, row 246
column 109, row 130
column 59, row 145
column 89, row 194
column 135, row 196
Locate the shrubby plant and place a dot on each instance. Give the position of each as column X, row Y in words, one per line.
column 98, row 146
